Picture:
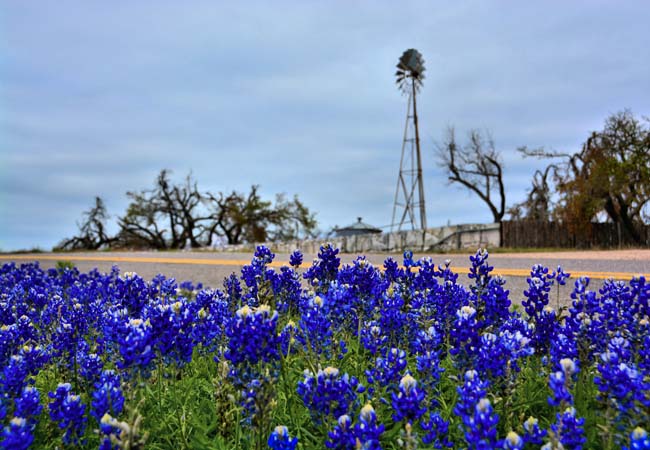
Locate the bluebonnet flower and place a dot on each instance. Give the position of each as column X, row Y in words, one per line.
column 135, row 346
column 562, row 347
column 170, row 325
column 407, row 402
column 68, row 411
column 252, row 338
column 286, row 290
column 539, row 285
column 365, row 283
column 343, row 436
column 479, row 271
column 295, row 259
column 495, row 303
column 513, row 441
column 367, row 430
column 481, row 427
column 533, row 434
column 387, row 370
column 233, row 289
column 569, row 429
column 324, row 269
column 131, row 292
column 90, row 365
column 639, row 440
column 640, row 292
column 408, row 259
column 13, row 377
column 393, row 320
column 616, row 306
column 256, row 274
column 372, row 337
column 437, row 431
column 211, row 311
column 517, row 345
column 107, row 397
column 345, row 308
column 560, row 383
column 28, row 405
column 280, row 439
column 492, row 357
column 328, row 393
column 560, row 276
column 257, row 397
column 315, row 328
column 17, row 435
column 464, row 337
column 546, row 328
column 620, row 384
column 472, row 390
column 108, row 426
column 392, row 271
column 429, row 370
column 536, row 306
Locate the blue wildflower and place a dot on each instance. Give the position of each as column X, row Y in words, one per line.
column 252, row 338
column 533, row 434
column 28, row 405
column 569, row 429
column 280, row 439
column 387, row 370
column 560, row 383
column 328, row 393
column 107, row 396
column 481, row 427
column 17, row 435
column 513, row 441
column 639, row 440
column 437, row 431
column 67, row 410
column 407, row 401
column 295, row 259
column 367, row 430
column 343, row 436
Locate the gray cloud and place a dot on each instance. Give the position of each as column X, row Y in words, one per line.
column 97, row 97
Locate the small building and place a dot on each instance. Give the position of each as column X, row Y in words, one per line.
column 355, row 229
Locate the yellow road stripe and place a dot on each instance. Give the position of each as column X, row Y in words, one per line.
column 241, row 262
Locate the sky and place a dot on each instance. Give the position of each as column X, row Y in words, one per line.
column 299, row 97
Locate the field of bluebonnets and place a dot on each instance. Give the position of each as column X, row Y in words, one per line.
column 338, row 357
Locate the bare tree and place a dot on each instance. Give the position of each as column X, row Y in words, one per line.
column 538, row 204
column 248, row 218
column 477, row 166
column 92, row 230
column 167, row 216
column 173, row 215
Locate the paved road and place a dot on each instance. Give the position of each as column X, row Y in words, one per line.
column 211, row 268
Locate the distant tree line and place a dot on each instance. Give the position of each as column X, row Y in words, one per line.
column 607, row 180
column 177, row 215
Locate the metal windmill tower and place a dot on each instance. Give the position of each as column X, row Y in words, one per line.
column 409, row 194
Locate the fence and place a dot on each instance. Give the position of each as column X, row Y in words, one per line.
column 528, row 233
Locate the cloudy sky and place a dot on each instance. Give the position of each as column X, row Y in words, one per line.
column 96, row 97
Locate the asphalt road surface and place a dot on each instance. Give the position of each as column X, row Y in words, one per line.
column 210, row 268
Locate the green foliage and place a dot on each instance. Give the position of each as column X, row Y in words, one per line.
column 64, row 265
column 197, row 407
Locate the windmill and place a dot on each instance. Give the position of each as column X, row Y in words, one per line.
column 409, row 207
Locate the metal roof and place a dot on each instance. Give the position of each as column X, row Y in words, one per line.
column 358, row 227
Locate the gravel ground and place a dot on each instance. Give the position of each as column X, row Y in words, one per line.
column 629, row 261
